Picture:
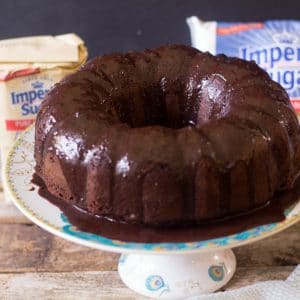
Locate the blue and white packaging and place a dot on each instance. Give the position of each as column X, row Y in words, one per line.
column 274, row 45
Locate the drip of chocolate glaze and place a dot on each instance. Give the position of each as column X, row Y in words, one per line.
column 82, row 220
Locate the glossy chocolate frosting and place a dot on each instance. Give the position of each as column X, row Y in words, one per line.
column 167, row 136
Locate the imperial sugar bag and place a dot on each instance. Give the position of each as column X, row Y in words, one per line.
column 29, row 67
column 274, row 45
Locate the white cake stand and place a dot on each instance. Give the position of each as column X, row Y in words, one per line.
column 157, row 270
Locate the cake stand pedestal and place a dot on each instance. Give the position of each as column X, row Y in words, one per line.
column 158, row 270
column 177, row 277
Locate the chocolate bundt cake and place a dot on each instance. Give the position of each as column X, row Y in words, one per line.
column 167, row 136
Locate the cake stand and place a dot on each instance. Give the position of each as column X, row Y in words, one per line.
column 157, row 270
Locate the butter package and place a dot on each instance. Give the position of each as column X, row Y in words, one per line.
column 29, row 67
column 274, row 45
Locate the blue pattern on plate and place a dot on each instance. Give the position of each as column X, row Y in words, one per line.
column 222, row 241
column 217, row 273
column 155, row 283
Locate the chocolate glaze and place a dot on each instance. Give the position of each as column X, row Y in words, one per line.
column 169, row 136
column 82, row 220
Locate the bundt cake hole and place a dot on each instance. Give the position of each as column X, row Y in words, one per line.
column 153, row 110
column 154, row 106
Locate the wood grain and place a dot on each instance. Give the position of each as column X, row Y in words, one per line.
column 282, row 249
column 27, row 248
column 245, row 276
column 75, row 285
column 9, row 213
column 105, row 284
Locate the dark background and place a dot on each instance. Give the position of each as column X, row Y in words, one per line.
column 110, row 26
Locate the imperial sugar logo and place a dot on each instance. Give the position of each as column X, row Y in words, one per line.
column 281, row 59
column 30, row 99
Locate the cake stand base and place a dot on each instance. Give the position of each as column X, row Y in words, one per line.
column 179, row 276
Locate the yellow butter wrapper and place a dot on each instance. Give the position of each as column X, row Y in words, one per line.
column 29, row 67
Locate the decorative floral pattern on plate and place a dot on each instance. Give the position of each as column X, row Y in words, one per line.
column 217, row 273
column 156, row 283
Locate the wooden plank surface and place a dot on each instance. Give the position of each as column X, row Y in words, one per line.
column 27, row 248
column 35, row 264
column 74, row 285
column 9, row 213
column 103, row 285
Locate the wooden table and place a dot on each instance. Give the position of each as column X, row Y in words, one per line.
column 37, row 265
